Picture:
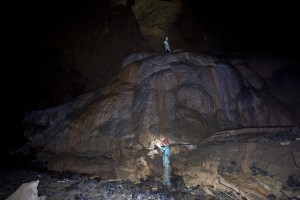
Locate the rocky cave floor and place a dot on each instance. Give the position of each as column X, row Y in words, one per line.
column 66, row 185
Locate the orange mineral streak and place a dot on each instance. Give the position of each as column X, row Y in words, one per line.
column 166, row 80
column 215, row 83
column 129, row 73
column 160, row 104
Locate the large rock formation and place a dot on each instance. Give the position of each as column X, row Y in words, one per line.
column 80, row 47
column 190, row 98
column 27, row 191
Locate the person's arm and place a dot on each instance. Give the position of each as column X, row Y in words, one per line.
column 160, row 147
column 168, row 46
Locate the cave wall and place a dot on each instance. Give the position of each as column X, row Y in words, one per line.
column 73, row 48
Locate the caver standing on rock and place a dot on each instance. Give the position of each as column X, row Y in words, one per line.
column 167, row 46
column 166, row 151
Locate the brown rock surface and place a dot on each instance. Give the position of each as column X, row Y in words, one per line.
column 192, row 99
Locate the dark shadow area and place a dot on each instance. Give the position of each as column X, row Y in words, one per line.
column 61, row 50
column 254, row 27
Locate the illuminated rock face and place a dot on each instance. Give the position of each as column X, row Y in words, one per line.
column 184, row 96
column 187, row 97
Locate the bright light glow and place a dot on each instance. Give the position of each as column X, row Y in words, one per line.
column 157, row 144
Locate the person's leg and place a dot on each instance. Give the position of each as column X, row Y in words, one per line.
column 168, row 175
column 167, row 171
